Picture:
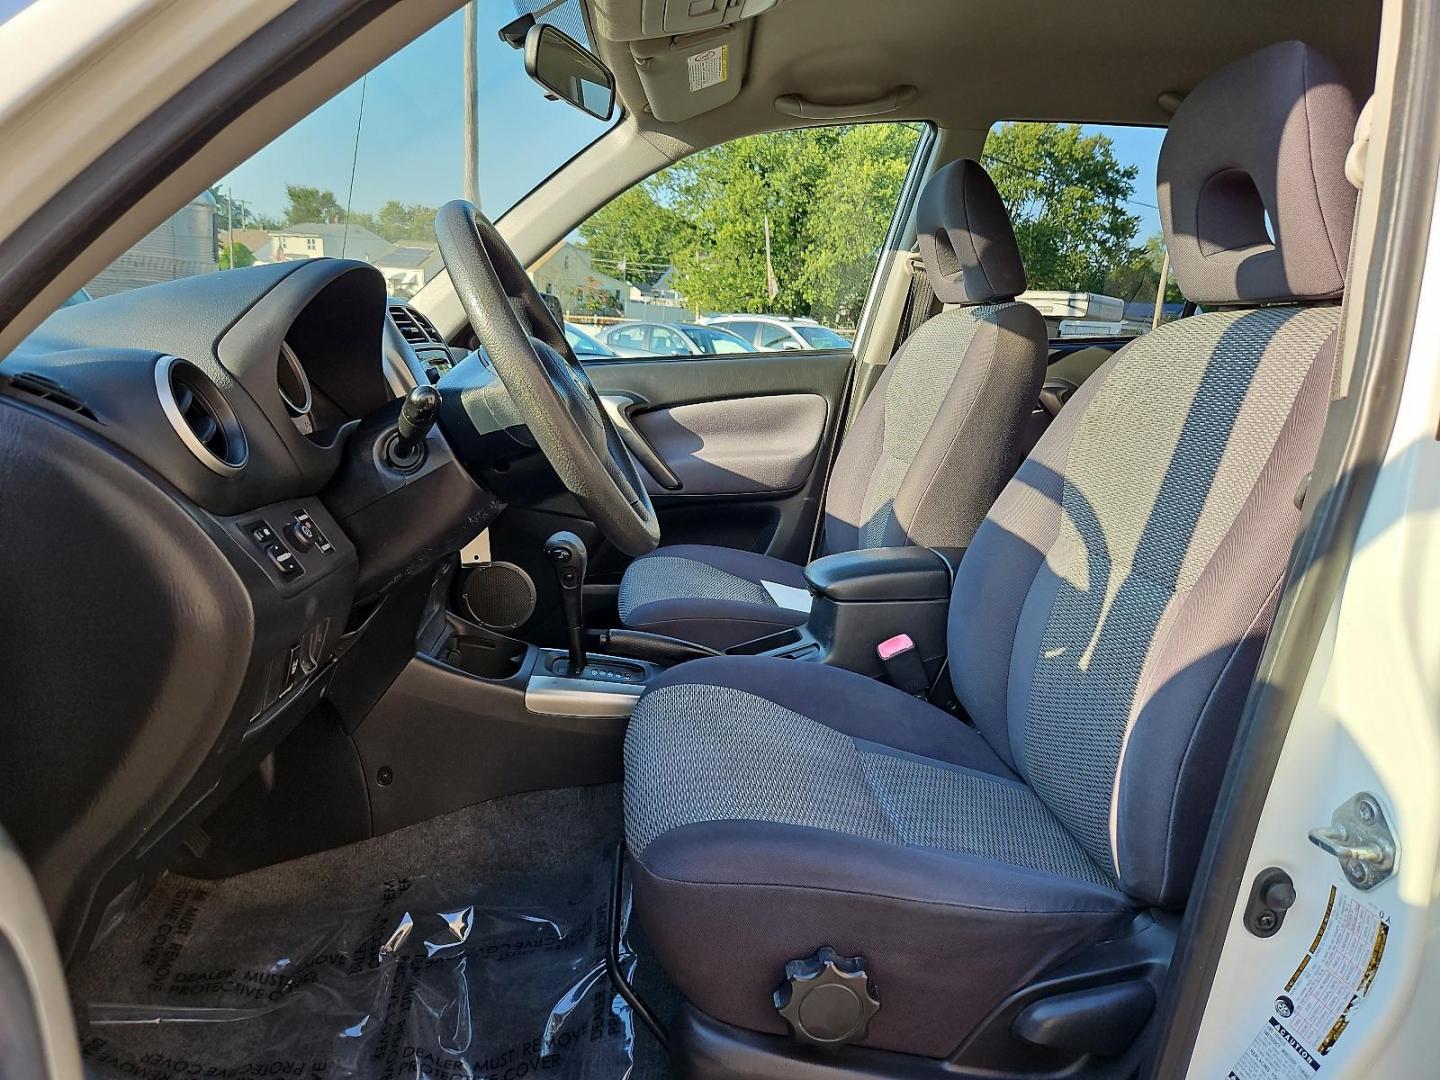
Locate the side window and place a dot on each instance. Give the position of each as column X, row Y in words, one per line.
column 1082, row 198
column 665, row 343
column 786, row 223
column 629, row 337
column 774, row 338
column 744, row 330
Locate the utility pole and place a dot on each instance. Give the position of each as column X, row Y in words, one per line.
column 472, row 118
column 230, row 208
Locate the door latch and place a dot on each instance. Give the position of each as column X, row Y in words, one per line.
column 1360, row 837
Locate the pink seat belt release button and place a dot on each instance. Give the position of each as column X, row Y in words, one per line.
column 903, row 665
column 892, row 647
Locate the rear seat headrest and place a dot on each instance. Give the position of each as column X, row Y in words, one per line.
column 966, row 240
column 1266, row 135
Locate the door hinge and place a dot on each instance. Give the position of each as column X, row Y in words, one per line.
column 1360, row 837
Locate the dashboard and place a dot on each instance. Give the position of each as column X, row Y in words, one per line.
column 199, row 528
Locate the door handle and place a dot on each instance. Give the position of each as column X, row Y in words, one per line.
column 801, row 106
column 617, row 407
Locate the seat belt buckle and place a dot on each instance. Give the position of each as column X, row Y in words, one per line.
column 903, row 665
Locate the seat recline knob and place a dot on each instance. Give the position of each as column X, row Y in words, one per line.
column 827, row 999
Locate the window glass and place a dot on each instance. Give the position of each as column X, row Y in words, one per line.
column 745, row 330
column 1082, row 198
column 666, row 342
column 713, row 340
column 631, row 337
column 362, row 175
column 818, row 337
column 774, row 337
column 786, row 223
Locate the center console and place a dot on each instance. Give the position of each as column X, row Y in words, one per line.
column 862, row 599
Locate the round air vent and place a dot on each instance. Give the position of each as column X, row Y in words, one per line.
column 294, row 383
column 200, row 415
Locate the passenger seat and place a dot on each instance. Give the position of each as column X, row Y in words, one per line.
column 938, row 437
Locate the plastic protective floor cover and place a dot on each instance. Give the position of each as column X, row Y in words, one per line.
column 472, row 946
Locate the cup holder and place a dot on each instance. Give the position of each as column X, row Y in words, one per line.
column 485, row 658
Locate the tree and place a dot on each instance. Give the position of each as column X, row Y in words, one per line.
column 404, row 221
column 633, row 237
column 309, row 204
column 858, row 194
column 235, row 255
column 1066, row 193
column 730, row 194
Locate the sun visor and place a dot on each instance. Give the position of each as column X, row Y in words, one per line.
column 688, row 75
column 632, row 20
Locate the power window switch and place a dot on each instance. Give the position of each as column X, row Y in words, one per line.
column 284, row 560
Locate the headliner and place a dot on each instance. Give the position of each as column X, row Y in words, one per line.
column 974, row 63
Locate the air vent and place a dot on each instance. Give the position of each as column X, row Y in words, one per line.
column 201, row 416
column 51, row 391
column 413, row 326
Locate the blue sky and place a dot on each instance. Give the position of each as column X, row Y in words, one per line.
column 410, row 143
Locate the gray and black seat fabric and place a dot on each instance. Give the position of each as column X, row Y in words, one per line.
column 935, row 442
column 1105, row 627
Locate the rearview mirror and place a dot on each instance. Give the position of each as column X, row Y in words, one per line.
column 569, row 71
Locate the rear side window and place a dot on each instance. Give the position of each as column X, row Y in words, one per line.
column 1082, row 199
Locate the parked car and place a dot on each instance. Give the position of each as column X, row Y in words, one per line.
column 585, row 346
column 672, row 339
column 779, row 333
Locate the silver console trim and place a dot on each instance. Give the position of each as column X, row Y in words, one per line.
column 549, row 695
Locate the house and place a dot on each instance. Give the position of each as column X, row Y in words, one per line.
column 313, row 240
column 408, row 265
column 253, row 240
column 182, row 245
column 566, row 271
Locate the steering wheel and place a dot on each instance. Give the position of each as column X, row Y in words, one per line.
column 547, row 383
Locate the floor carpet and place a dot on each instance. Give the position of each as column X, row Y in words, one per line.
column 471, row 946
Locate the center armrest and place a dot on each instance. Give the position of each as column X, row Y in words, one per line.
column 880, row 575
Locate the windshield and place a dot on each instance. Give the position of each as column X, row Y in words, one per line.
column 709, row 339
column 361, row 176
column 820, row 337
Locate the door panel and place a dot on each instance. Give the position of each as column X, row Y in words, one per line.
column 735, row 446
column 745, row 436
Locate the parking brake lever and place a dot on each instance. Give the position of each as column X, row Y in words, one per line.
column 566, row 553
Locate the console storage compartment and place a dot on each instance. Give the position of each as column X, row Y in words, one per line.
column 861, row 598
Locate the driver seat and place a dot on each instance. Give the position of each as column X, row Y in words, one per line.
column 1105, row 627
column 933, row 445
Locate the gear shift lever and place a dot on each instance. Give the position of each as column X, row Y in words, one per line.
column 566, row 552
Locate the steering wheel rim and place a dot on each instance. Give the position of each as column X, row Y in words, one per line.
column 547, row 383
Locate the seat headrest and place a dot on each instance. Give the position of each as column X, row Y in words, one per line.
column 1266, row 135
column 966, row 240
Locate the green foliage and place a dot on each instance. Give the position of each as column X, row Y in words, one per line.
column 859, row 192
column 235, row 255
column 827, row 195
column 1067, row 194
column 308, row 204
column 632, row 236
column 398, row 221
column 395, row 221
